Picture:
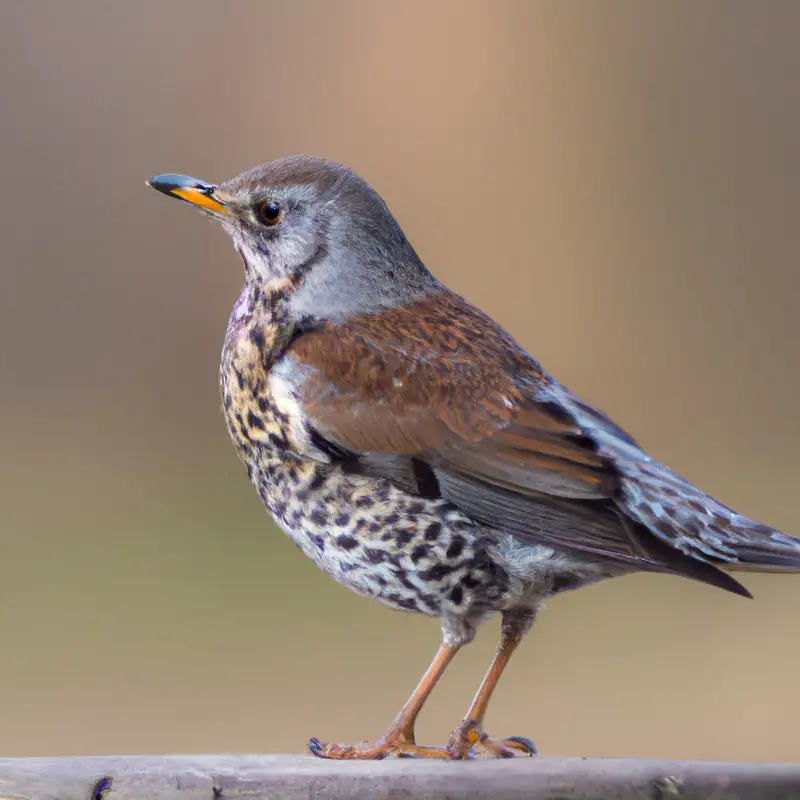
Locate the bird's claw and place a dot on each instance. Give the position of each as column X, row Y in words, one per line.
column 468, row 740
column 511, row 747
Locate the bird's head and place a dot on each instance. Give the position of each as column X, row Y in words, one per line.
column 318, row 225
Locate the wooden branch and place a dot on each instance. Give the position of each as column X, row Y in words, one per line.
column 235, row 777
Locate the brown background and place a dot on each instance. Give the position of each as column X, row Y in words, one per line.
column 617, row 183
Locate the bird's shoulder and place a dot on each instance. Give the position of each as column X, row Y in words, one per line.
column 438, row 352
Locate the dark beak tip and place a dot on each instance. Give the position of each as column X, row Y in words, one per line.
column 190, row 190
column 169, row 180
column 162, row 183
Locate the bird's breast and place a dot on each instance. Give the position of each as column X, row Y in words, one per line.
column 263, row 417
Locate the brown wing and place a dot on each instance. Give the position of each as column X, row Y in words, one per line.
column 439, row 382
column 440, row 379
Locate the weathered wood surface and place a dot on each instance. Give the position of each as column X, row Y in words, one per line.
column 233, row 777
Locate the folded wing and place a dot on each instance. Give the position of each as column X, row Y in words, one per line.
column 439, row 384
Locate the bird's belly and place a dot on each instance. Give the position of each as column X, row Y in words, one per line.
column 408, row 552
column 545, row 571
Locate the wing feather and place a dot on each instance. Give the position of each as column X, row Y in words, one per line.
column 440, row 383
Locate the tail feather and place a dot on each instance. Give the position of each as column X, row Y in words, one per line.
column 697, row 525
column 671, row 561
column 704, row 534
column 763, row 549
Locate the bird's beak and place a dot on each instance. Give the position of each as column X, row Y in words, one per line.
column 198, row 193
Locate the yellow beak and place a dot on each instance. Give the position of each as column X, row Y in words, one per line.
column 198, row 193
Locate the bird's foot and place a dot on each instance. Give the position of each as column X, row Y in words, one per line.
column 468, row 740
column 390, row 746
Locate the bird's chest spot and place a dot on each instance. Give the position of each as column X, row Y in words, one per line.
column 408, row 552
column 262, row 416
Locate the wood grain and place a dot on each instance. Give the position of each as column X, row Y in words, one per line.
column 233, row 777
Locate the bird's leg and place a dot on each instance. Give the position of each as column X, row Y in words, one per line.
column 399, row 739
column 469, row 733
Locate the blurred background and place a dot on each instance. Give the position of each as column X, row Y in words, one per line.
column 617, row 184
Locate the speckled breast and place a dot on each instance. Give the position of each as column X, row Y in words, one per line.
column 408, row 552
column 253, row 416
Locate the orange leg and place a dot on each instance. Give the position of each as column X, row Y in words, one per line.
column 399, row 740
column 470, row 732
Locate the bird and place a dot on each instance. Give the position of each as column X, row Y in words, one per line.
column 416, row 453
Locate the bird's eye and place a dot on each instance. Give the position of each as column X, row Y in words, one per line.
column 271, row 213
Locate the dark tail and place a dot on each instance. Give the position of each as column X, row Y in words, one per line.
column 705, row 530
column 760, row 548
column 692, row 533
